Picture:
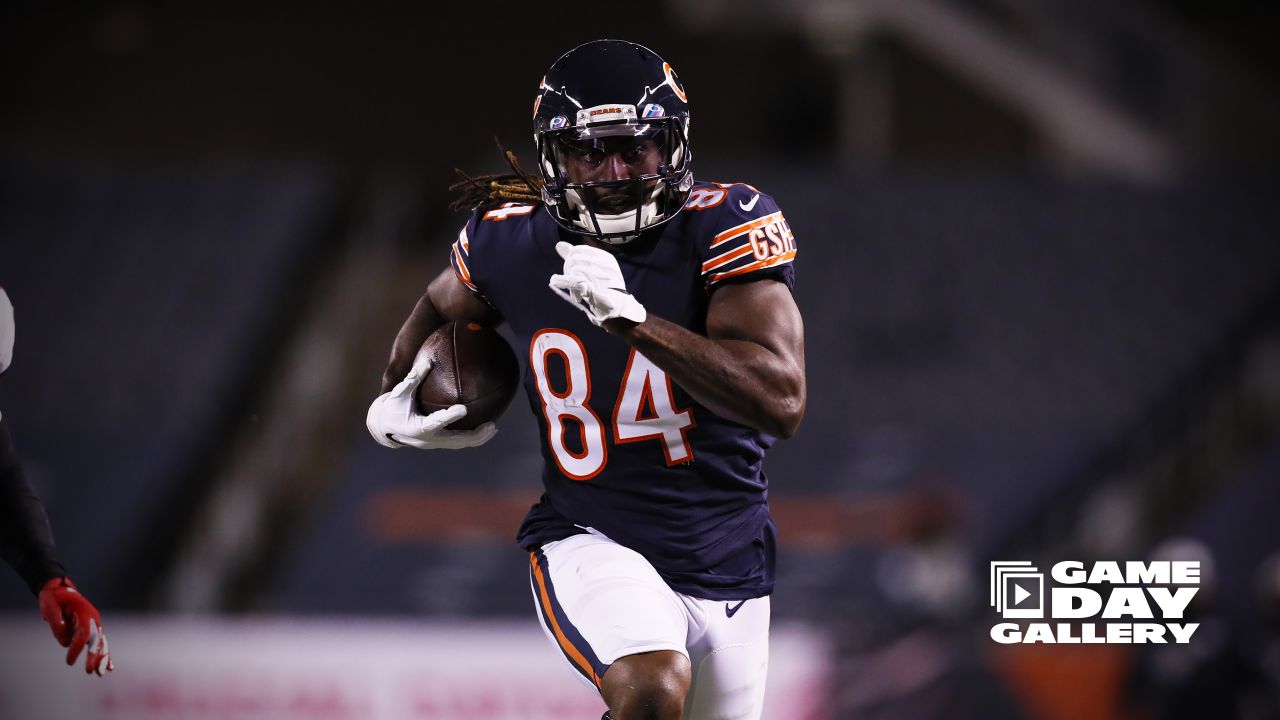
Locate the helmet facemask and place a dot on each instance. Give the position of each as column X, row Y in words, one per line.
column 616, row 211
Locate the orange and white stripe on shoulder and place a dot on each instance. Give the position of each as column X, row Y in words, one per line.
column 726, row 257
column 774, row 261
column 458, row 259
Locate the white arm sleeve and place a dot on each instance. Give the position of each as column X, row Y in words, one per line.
column 6, row 331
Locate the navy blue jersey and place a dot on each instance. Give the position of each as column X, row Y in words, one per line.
column 627, row 452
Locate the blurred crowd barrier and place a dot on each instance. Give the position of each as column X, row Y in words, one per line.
column 340, row 669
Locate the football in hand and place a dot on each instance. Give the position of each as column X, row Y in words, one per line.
column 471, row 365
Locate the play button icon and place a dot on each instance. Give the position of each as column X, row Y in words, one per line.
column 1017, row 589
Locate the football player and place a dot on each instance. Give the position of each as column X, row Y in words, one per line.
column 26, row 543
column 665, row 356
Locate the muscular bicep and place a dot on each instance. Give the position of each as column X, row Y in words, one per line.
column 445, row 299
column 763, row 313
column 758, row 325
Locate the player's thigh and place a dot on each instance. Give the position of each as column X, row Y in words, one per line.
column 598, row 601
column 730, row 661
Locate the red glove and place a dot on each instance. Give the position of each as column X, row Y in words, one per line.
column 76, row 624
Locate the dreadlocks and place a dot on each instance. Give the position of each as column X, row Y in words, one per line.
column 516, row 186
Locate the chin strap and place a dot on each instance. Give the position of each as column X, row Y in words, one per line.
column 619, row 223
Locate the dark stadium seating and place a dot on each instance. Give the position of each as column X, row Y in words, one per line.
column 145, row 300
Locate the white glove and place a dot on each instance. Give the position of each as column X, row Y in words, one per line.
column 394, row 420
column 592, row 281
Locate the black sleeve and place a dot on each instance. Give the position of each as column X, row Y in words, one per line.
column 26, row 540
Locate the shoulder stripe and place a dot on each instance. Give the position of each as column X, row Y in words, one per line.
column 462, row 263
column 758, row 265
column 746, row 227
column 464, row 240
column 460, row 268
column 726, row 258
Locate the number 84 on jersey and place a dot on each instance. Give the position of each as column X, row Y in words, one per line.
column 645, row 409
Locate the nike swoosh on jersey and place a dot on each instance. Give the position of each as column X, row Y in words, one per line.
column 746, row 206
column 731, row 610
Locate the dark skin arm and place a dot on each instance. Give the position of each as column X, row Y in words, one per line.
column 749, row 367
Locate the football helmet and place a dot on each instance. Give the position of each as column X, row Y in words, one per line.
column 603, row 97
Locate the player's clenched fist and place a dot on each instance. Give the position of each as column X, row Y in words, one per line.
column 592, row 281
column 76, row 624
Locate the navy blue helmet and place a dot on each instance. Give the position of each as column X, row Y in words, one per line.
column 599, row 95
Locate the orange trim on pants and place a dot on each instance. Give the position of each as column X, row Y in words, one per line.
column 547, row 612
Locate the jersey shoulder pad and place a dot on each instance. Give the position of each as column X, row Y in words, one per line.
column 485, row 227
column 7, row 329
column 743, row 234
column 460, row 253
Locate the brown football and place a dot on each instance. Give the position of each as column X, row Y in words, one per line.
column 471, row 365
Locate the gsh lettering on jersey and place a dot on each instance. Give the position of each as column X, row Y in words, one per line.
column 1132, row 602
column 772, row 239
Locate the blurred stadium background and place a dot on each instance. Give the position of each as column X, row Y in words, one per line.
column 1040, row 269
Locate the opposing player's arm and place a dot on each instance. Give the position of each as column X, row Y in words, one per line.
column 26, row 543
column 445, row 299
column 749, row 367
